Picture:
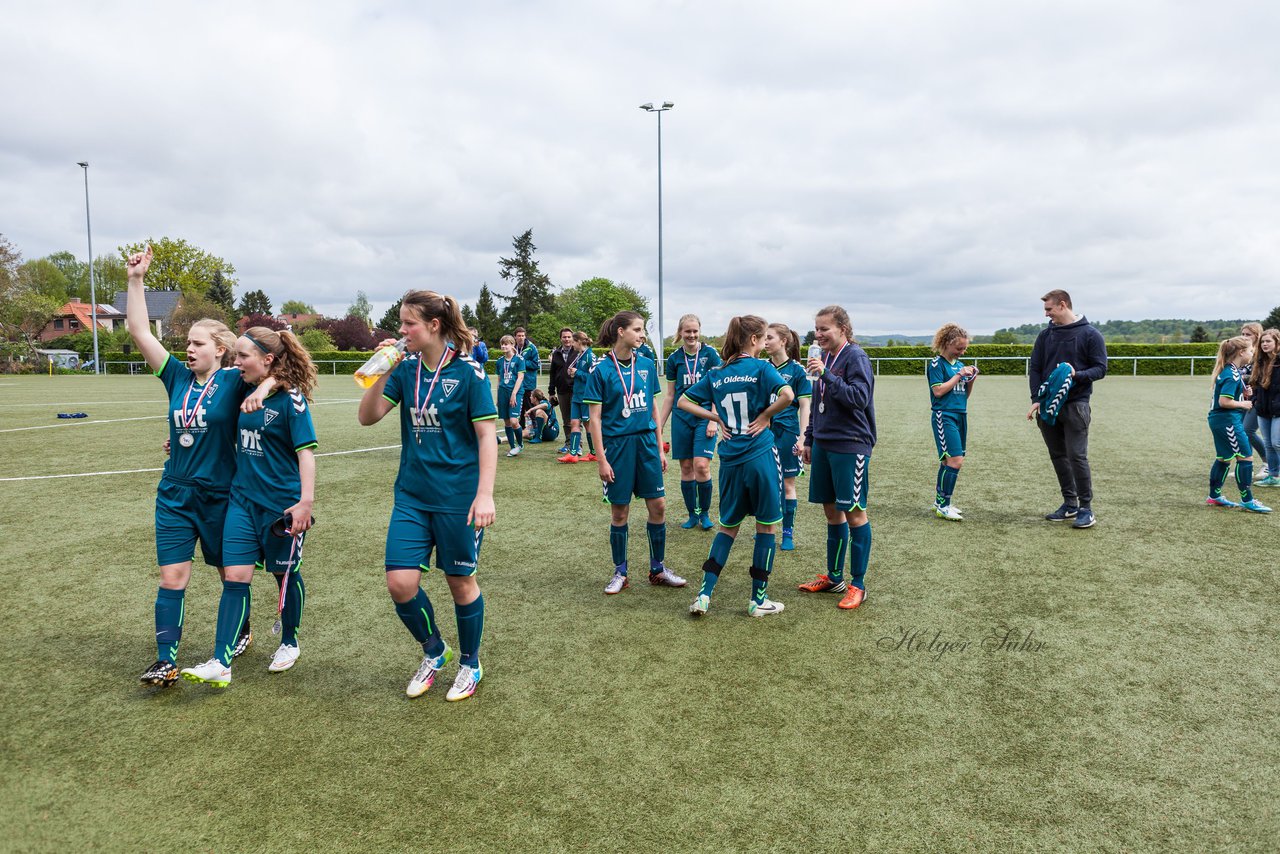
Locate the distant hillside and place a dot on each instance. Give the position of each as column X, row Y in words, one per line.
column 1127, row 331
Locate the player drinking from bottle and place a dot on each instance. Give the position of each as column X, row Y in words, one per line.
column 444, row 488
column 275, row 476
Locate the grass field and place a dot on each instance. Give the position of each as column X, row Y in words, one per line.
column 1141, row 716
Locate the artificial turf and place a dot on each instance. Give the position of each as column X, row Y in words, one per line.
column 1010, row 684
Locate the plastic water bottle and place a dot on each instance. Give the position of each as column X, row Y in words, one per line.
column 380, row 363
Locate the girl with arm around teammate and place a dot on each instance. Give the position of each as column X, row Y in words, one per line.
column 444, row 488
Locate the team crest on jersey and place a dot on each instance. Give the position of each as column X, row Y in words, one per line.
column 448, row 386
column 268, row 416
column 213, row 388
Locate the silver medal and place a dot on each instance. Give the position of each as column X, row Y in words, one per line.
column 822, row 407
column 276, row 627
column 186, row 440
column 626, row 412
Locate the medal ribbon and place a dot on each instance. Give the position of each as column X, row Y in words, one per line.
column 626, row 404
column 421, row 408
column 690, row 368
column 188, row 421
column 828, row 364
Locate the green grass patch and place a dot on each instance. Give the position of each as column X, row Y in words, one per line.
column 1141, row 716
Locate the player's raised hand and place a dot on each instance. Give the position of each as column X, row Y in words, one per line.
column 139, row 263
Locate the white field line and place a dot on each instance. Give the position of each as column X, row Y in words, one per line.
column 78, row 423
column 144, row 471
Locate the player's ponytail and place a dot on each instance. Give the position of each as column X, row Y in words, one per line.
column 946, row 335
column 429, row 305
column 621, row 320
column 222, row 337
column 790, row 340
column 291, row 364
column 1228, row 350
column 737, row 338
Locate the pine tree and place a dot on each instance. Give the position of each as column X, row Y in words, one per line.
column 488, row 323
column 1199, row 335
column 219, row 293
column 390, row 321
column 1273, row 319
column 254, row 302
column 532, row 293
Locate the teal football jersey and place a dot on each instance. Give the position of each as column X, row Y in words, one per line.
column 439, row 452
column 940, row 371
column 739, row 391
column 581, row 373
column 1228, row 383
column 628, row 388
column 647, row 351
column 267, row 453
column 788, row 420
column 685, row 371
column 208, row 414
column 532, row 365
column 509, row 371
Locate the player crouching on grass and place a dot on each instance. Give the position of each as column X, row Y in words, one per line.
column 444, row 488
column 744, row 394
column 205, row 399
column 950, row 384
column 275, row 474
column 541, row 418
column 1226, row 422
column 622, row 392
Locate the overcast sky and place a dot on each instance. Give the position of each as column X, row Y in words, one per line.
column 917, row 162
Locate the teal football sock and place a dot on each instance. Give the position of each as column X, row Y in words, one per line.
column 704, row 496
column 591, row 444
column 1244, row 479
column 762, row 551
column 291, row 616
column 657, row 533
column 470, row 629
column 618, row 547
column 859, row 554
column 575, row 442
column 511, row 438
column 837, row 548
column 233, row 610
column 949, row 476
column 689, row 492
column 789, row 513
column 170, row 610
column 1217, row 477
column 720, row 547
column 938, row 498
column 420, row 619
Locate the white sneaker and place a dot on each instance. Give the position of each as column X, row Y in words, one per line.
column 947, row 512
column 284, row 657
column 616, row 584
column 700, row 605
column 514, row 452
column 765, row 608
column 667, row 577
column 427, row 670
column 212, row 672
column 464, row 685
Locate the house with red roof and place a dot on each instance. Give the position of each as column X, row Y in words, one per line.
column 77, row 316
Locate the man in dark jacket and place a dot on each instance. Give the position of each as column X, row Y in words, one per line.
column 559, row 383
column 1075, row 341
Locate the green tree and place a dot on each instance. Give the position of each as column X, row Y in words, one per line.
column 1199, row 335
column 590, row 303
column 468, row 316
column 361, row 308
column 531, row 294
column 390, row 321
column 1004, row 336
column 254, row 302
column 297, row 306
column 809, row 337
column 180, row 266
column 109, row 276
column 24, row 311
column 488, row 322
column 189, row 310
column 46, row 279
column 1273, row 319
column 316, row 340
column 220, row 294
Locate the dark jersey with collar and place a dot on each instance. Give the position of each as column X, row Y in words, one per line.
column 211, row 458
column 267, row 453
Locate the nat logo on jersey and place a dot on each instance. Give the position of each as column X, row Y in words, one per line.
column 635, row 401
column 251, row 442
column 425, row 420
column 197, row 421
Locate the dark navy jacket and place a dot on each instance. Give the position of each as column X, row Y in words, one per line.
column 845, row 392
column 1079, row 344
column 1266, row 401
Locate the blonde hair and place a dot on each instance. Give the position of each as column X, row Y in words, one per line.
column 506, row 339
column 429, row 305
column 1228, row 350
column 582, row 338
column 840, row 317
column 789, row 338
column 1262, row 363
column 291, row 364
column 947, row 334
column 221, row 335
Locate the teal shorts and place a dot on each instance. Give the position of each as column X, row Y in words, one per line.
column 504, row 404
column 751, row 488
column 1230, row 439
column 186, row 512
column 689, row 438
column 247, row 539
column 950, row 429
column 785, row 442
column 839, row 479
column 414, row 534
column 579, row 411
column 637, row 467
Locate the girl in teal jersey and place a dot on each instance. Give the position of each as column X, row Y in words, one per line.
column 783, row 347
column 1226, row 422
column 444, row 488
column 511, row 370
column 622, row 392
column 744, row 394
column 205, row 397
column 579, row 371
column 693, row 441
column 950, row 384
column 541, row 418
column 275, row 478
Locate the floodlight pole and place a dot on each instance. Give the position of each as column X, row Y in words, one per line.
column 93, row 291
column 650, row 108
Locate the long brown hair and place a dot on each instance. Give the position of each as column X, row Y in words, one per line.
column 1228, row 350
column 291, row 366
column 946, row 334
column 221, row 335
column 791, row 339
column 621, row 320
column 429, row 305
column 1262, row 363
column 737, row 338
column 841, row 318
